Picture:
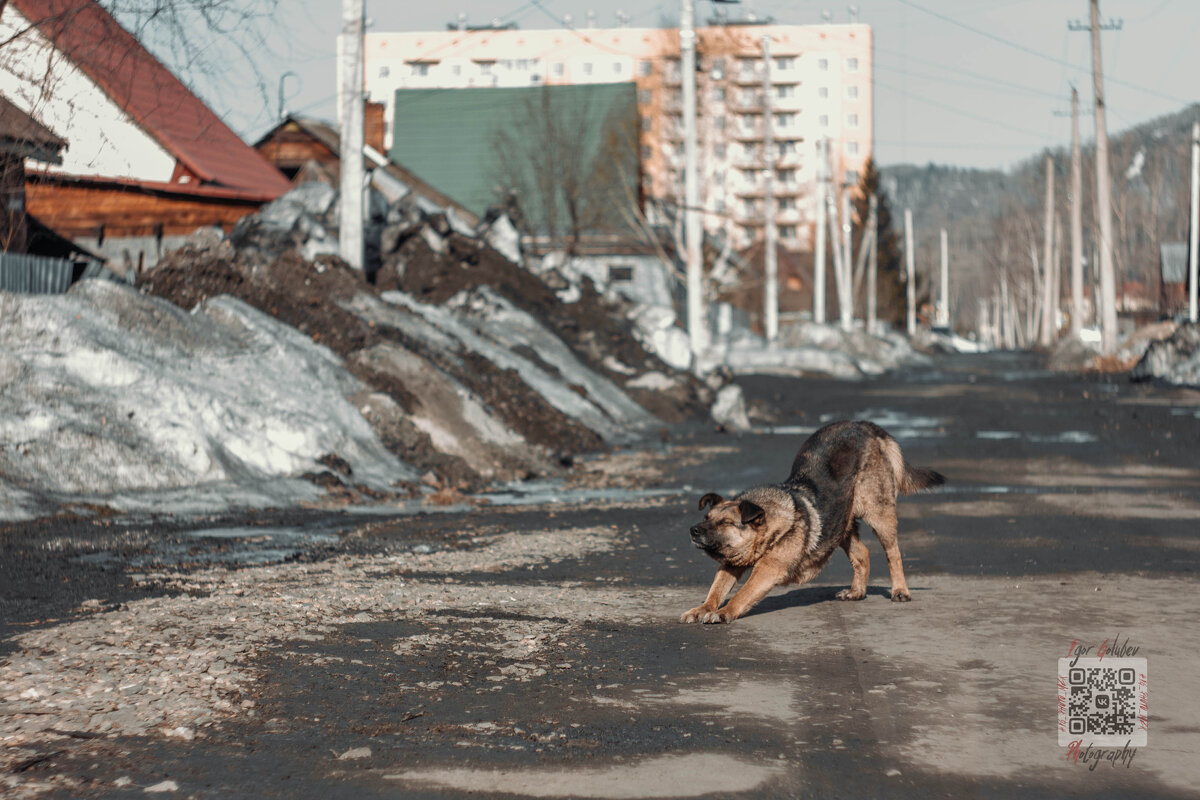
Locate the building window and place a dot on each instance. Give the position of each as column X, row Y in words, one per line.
column 456, row 69
column 559, row 68
column 784, row 120
column 647, row 152
column 785, row 91
column 822, row 63
column 852, row 120
column 786, row 175
column 748, row 175
column 851, row 148
column 786, row 147
column 719, row 150
column 616, row 68
column 852, row 64
column 647, row 124
column 420, row 69
column 823, row 93
column 786, row 62
column 587, row 68
column 749, row 208
column 485, row 67
column 748, row 149
column 747, row 122
column 620, row 273
column 787, row 204
column 718, row 94
column 645, row 96
column 385, row 72
column 719, row 123
column 823, row 120
column 787, row 231
column 719, row 205
column 644, row 68
column 852, row 92
column 718, row 69
column 852, row 176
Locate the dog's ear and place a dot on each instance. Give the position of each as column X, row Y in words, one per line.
column 710, row 499
column 752, row 514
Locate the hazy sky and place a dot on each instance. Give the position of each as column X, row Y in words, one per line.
column 967, row 82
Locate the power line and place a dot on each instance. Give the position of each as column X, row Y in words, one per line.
column 954, row 110
column 1036, row 53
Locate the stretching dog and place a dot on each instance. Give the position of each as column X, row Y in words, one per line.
column 787, row 532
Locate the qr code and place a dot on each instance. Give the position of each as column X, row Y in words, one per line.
column 1102, row 702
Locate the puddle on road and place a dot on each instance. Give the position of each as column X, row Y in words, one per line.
column 240, row 546
column 1063, row 437
column 664, row 776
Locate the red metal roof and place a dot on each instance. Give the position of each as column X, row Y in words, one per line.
column 153, row 97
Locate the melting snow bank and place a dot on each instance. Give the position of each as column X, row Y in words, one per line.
column 111, row 394
column 809, row 348
column 1175, row 359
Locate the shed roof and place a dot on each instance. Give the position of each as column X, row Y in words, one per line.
column 25, row 136
column 152, row 96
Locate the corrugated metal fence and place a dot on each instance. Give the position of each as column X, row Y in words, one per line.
column 20, row 272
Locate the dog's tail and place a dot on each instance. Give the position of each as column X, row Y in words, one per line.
column 910, row 479
column 917, row 478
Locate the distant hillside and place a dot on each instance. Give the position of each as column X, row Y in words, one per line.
column 993, row 217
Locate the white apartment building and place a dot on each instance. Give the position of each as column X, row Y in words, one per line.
column 820, row 82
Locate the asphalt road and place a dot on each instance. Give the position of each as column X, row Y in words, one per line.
column 534, row 651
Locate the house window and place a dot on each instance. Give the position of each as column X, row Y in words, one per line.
column 852, row 64
column 620, row 273
column 644, row 68
column 485, row 67
column 559, row 68
column 420, row 69
column 587, row 68
column 616, row 68
column 787, row 231
column 823, row 120
column 852, row 120
column 823, row 93
column 852, row 92
column 851, row 148
column 785, row 63
column 822, row 63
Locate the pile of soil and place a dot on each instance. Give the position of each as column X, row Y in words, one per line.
column 596, row 328
column 306, row 295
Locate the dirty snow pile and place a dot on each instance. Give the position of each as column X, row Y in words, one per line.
column 1070, row 354
column 812, row 348
column 112, row 393
column 1175, row 359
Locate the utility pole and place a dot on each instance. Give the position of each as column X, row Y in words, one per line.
column 910, row 273
column 770, row 263
column 1046, row 336
column 839, row 273
column 350, row 213
column 1195, row 233
column 943, row 312
column 819, row 247
column 847, row 305
column 697, row 332
column 873, row 264
column 1076, row 221
column 1108, row 289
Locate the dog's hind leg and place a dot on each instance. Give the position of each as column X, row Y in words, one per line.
column 860, row 559
column 883, row 522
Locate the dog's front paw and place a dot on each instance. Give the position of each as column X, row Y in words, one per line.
column 695, row 615
column 900, row 596
column 850, row 594
column 717, row 617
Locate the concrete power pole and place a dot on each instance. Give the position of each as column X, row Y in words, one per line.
column 910, row 273
column 1194, row 239
column 1049, row 302
column 770, row 235
column 873, row 264
column 819, row 246
column 1108, row 289
column 697, row 330
column 1076, row 221
column 943, row 311
column 350, row 214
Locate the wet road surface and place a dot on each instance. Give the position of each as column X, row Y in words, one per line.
column 534, row 651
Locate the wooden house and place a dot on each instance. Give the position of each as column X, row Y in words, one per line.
column 148, row 161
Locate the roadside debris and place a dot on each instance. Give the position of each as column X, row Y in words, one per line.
column 1174, row 360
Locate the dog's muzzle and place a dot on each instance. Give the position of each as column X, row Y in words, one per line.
column 700, row 537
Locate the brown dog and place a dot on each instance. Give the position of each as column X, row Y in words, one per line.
column 787, row 532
